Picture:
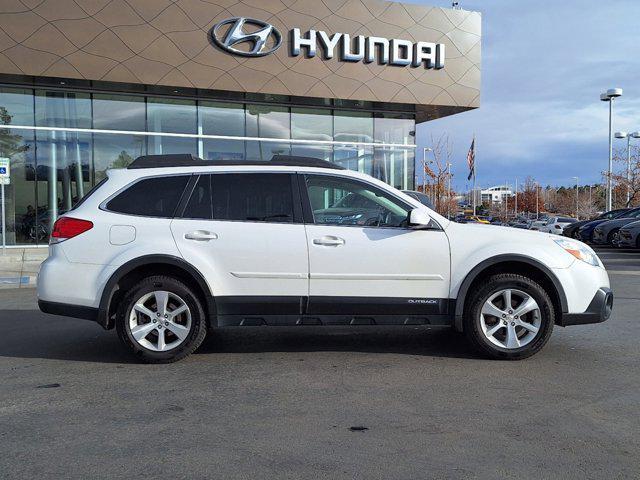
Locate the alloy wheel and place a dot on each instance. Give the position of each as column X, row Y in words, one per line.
column 160, row 321
column 510, row 318
column 615, row 240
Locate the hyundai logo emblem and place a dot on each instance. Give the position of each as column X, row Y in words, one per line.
column 236, row 35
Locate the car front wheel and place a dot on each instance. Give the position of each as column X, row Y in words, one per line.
column 614, row 238
column 509, row 317
column 161, row 320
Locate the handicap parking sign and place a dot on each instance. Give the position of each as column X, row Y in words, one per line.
column 5, row 172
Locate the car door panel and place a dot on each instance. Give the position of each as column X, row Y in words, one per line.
column 367, row 269
column 252, row 267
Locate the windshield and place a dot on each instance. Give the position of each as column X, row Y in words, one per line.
column 621, row 214
column 421, row 197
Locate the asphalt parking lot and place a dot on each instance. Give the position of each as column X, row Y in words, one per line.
column 281, row 403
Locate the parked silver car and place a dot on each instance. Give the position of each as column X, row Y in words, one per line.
column 556, row 224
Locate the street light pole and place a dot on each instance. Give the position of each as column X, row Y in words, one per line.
column 608, row 96
column 424, row 169
column 537, row 195
column 449, row 190
column 577, row 203
column 516, row 200
column 628, row 136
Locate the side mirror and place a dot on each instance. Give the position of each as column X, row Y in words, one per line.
column 418, row 218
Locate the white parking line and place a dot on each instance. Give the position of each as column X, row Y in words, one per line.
column 620, row 260
column 623, row 272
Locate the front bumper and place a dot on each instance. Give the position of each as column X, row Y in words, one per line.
column 598, row 310
column 584, row 235
column 626, row 239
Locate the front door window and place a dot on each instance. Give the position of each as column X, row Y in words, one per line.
column 342, row 201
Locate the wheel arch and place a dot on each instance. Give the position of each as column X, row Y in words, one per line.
column 511, row 263
column 134, row 270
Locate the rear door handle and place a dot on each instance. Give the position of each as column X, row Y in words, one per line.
column 201, row 236
column 329, row 241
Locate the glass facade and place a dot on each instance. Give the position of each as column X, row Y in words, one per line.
column 61, row 142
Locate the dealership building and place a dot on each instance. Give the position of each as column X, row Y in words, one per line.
column 88, row 85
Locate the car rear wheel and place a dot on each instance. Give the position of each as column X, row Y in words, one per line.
column 509, row 317
column 161, row 320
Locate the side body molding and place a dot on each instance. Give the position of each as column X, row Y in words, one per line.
column 110, row 287
column 471, row 276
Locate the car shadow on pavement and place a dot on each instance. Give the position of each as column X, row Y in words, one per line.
column 427, row 341
column 31, row 334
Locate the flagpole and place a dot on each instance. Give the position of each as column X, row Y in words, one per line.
column 475, row 164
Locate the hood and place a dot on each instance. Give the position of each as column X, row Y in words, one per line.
column 617, row 223
column 578, row 224
column 594, row 223
column 503, row 233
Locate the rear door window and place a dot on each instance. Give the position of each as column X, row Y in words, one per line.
column 199, row 205
column 150, row 197
column 253, row 197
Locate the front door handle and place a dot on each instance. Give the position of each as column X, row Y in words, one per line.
column 201, row 236
column 329, row 241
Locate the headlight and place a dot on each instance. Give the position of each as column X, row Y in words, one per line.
column 579, row 250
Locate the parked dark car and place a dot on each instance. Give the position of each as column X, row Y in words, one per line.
column 630, row 235
column 585, row 232
column 572, row 230
column 607, row 232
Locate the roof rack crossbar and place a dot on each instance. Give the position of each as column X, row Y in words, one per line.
column 188, row 160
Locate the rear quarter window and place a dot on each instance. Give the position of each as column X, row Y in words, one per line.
column 150, row 197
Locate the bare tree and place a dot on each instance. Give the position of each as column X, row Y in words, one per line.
column 442, row 151
column 621, row 184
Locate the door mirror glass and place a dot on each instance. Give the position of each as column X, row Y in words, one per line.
column 419, row 218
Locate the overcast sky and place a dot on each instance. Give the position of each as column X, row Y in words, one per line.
column 544, row 65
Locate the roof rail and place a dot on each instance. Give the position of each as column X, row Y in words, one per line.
column 187, row 160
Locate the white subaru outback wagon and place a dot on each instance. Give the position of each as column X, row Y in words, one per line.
column 173, row 247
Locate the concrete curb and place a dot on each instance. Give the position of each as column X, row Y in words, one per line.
column 19, row 267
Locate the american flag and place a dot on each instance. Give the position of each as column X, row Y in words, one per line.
column 471, row 159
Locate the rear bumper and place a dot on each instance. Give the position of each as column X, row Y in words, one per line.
column 68, row 310
column 598, row 237
column 598, row 310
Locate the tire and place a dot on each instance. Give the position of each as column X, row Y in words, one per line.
column 188, row 323
column 612, row 237
column 501, row 344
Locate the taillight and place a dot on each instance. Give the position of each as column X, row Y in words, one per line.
column 68, row 227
